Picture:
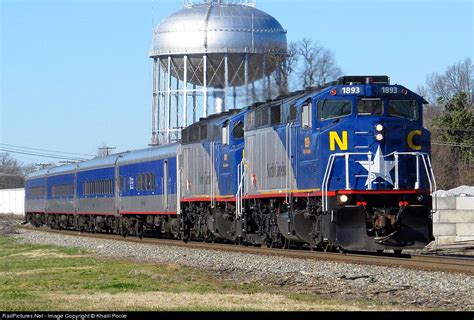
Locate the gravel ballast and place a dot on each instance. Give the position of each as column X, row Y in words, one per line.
column 387, row 285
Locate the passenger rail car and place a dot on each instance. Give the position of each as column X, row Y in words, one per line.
column 126, row 193
column 345, row 165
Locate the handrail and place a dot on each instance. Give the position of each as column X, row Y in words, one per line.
column 178, row 182
column 211, row 168
column 425, row 158
column 240, row 189
column 288, row 145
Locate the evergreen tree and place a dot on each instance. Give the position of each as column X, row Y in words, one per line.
column 456, row 124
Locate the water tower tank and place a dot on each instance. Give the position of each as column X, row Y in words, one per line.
column 207, row 50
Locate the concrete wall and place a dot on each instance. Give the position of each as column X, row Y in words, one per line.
column 454, row 220
column 12, row 201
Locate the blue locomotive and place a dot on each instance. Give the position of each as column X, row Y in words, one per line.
column 342, row 166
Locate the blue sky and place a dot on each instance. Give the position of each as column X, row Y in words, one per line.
column 76, row 73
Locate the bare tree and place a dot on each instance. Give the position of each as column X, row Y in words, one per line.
column 457, row 78
column 285, row 67
column 11, row 174
column 317, row 64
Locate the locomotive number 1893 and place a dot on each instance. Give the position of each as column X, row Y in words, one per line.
column 350, row 90
column 389, row 90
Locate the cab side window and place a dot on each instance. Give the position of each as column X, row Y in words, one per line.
column 330, row 109
column 238, row 132
column 306, row 118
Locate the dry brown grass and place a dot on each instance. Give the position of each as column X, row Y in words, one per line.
column 195, row 301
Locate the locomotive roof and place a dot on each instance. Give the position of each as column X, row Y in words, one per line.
column 215, row 117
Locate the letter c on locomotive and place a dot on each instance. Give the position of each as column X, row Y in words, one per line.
column 410, row 137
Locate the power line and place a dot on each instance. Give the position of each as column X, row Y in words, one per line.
column 42, row 155
column 46, row 150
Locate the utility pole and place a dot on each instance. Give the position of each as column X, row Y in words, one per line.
column 43, row 165
column 105, row 151
column 67, row 162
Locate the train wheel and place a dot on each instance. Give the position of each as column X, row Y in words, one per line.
column 186, row 237
column 328, row 248
column 397, row 252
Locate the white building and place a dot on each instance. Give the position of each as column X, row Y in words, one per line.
column 12, row 201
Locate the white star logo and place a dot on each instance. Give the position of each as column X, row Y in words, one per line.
column 378, row 168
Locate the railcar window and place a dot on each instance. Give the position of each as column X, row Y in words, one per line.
column 225, row 134
column 261, row 117
column 204, row 132
column 404, row 108
column 275, row 114
column 36, row 192
column 148, row 181
column 184, row 136
column 63, row 190
column 306, row 115
column 330, row 109
column 238, row 132
column 250, row 121
column 370, row 107
column 293, row 113
column 139, row 182
column 194, row 134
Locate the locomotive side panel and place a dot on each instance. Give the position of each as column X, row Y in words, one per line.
column 269, row 167
column 199, row 177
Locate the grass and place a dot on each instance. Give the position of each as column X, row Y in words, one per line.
column 50, row 278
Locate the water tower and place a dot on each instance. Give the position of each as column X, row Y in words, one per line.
column 209, row 57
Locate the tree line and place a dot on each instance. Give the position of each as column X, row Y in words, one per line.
column 450, row 118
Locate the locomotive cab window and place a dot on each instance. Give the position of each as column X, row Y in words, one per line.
column 225, row 134
column 204, row 132
column 331, row 109
column 306, row 115
column 370, row 107
column 238, row 132
column 293, row 113
column 275, row 115
column 404, row 108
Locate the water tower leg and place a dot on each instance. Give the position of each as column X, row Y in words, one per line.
column 235, row 98
column 226, row 80
column 185, row 93
column 204, row 88
column 246, row 76
column 176, row 133
column 168, row 102
column 162, row 110
column 154, row 110
column 194, row 103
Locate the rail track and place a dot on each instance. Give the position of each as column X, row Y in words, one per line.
column 423, row 262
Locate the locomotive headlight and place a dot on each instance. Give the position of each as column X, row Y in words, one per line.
column 379, row 127
column 343, row 198
column 379, row 137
